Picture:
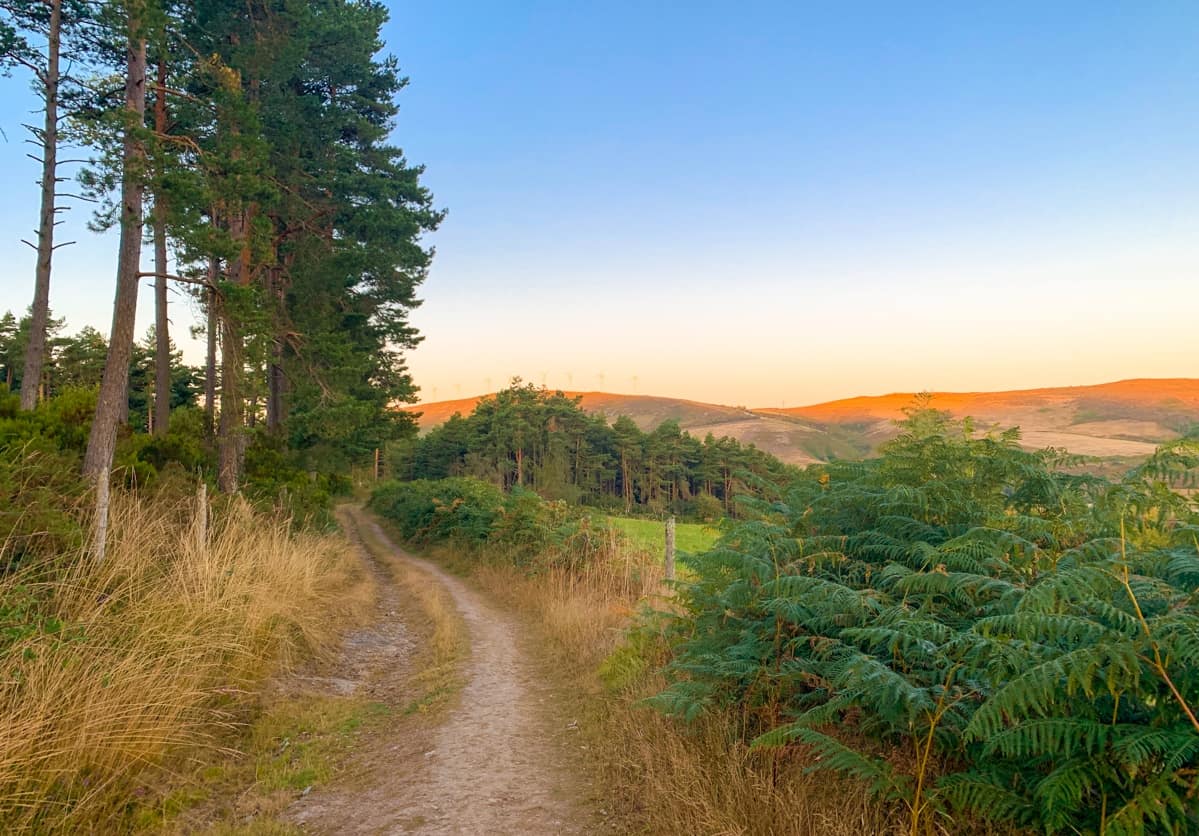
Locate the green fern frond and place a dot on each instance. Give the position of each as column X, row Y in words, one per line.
column 961, row 587
column 685, row 700
column 894, row 641
column 1062, row 791
column 889, row 693
column 821, row 715
column 1036, row 692
column 984, row 795
column 1056, row 735
column 835, row 756
column 1178, row 636
column 1182, row 570
column 1113, row 617
column 1048, row 628
column 1072, row 584
column 1156, row 807
column 1097, row 550
column 1167, row 749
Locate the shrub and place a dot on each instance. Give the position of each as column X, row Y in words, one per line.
column 708, row 508
column 39, row 495
column 274, row 481
column 473, row 514
column 64, row 420
column 183, row 443
column 462, row 509
column 1032, row 637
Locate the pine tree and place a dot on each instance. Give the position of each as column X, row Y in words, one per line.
column 132, row 16
column 51, row 21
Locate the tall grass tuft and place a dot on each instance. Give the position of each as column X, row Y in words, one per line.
column 114, row 669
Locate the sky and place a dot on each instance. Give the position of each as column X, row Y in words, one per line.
column 771, row 204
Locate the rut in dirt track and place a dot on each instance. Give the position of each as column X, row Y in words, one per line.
column 497, row 764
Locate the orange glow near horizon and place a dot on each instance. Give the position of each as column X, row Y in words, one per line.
column 767, row 344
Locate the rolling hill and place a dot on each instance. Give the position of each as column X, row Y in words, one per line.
column 1125, row 420
column 791, row 438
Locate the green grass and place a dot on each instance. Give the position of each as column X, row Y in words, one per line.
column 651, row 534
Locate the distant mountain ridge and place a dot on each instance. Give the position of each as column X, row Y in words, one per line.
column 1124, row 419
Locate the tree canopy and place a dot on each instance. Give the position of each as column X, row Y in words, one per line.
column 528, row 436
column 259, row 137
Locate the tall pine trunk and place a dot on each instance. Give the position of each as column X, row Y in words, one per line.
column 162, row 335
column 115, row 382
column 626, row 486
column 214, row 273
column 229, row 430
column 230, row 426
column 275, row 382
column 35, row 353
column 275, row 386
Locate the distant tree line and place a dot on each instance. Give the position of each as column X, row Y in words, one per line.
column 248, row 142
column 532, row 437
column 77, row 362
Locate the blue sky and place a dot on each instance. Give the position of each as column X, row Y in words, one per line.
column 778, row 203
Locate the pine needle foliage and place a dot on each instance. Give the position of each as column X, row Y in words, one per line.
column 973, row 631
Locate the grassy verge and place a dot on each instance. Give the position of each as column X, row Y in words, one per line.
column 122, row 678
column 290, row 745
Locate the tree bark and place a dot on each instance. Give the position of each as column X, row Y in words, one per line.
column 275, row 387
column 229, row 430
column 162, row 334
column 626, row 487
column 275, row 381
column 35, row 353
column 114, row 384
column 214, row 273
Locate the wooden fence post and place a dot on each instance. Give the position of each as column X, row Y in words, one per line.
column 377, row 464
column 670, row 548
column 101, row 541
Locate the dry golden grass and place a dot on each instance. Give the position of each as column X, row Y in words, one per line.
column 662, row 776
column 702, row 779
column 152, row 653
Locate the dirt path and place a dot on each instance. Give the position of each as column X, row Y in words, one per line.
column 499, row 763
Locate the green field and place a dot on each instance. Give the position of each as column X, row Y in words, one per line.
column 651, row 534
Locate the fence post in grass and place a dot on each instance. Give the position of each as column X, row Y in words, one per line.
column 101, row 540
column 670, row 548
column 202, row 517
column 377, row 463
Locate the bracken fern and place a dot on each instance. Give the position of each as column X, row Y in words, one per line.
column 968, row 628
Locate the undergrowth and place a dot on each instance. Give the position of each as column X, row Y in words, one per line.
column 972, row 634
column 115, row 670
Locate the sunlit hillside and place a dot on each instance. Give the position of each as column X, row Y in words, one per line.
column 1125, row 419
column 794, row 440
